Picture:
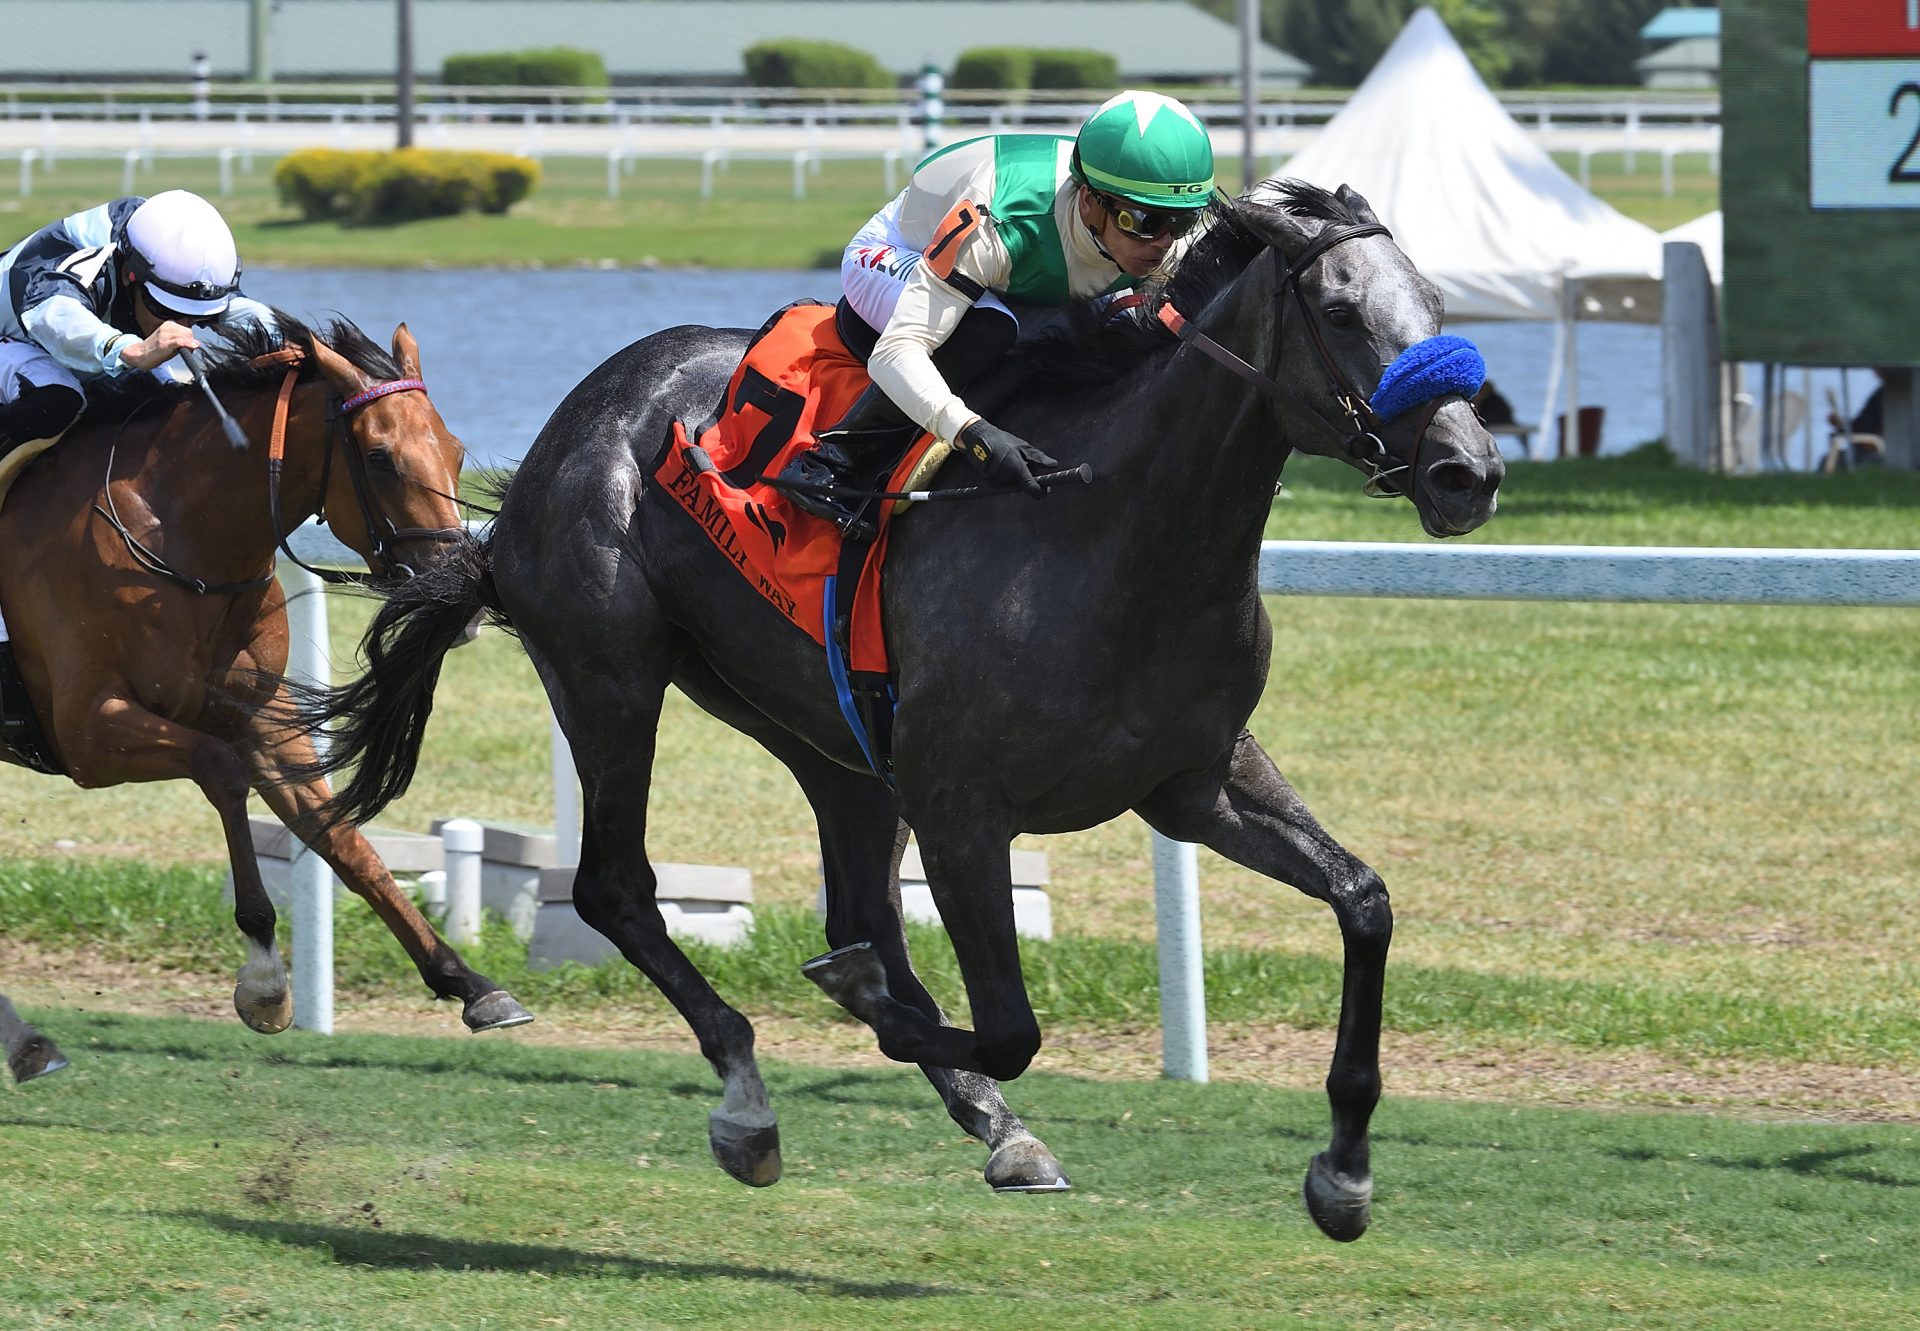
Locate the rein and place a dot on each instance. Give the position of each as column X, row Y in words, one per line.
column 1362, row 443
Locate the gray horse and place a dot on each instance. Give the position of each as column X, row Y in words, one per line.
column 1057, row 663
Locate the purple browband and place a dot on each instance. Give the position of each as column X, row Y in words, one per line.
column 359, row 400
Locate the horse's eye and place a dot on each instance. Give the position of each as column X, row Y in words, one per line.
column 1339, row 316
column 381, row 459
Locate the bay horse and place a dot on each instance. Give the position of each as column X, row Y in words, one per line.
column 136, row 574
column 1056, row 663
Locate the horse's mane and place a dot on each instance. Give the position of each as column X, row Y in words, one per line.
column 228, row 356
column 1079, row 349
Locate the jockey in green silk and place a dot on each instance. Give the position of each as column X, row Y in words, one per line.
column 1040, row 218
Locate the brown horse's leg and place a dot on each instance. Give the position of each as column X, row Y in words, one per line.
column 1244, row 809
column 29, row 1053
column 117, row 741
column 485, row 1005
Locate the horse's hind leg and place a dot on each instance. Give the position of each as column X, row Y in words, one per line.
column 862, row 841
column 112, row 740
column 29, row 1053
column 610, row 719
column 485, row 1006
column 1244, row 809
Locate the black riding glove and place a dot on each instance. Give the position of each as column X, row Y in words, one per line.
column 1004, row 459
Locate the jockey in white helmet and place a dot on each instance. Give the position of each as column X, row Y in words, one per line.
column 114, row 289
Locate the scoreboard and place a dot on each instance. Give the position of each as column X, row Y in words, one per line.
column 1820, row 187
column 1863, row 103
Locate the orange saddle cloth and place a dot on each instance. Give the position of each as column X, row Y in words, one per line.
column 796, row 377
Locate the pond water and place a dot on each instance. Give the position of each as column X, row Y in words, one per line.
column 502, row 347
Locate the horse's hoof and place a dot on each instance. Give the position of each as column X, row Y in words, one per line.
column 1341, row 1205
column 495, row 1012
column 1026, row 1165
column 36, row 1058
column 269, row 1014
column 852, row 976
column 750, row 1154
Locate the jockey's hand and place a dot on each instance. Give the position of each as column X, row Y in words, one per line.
column 1004, row 459
column 166, row 342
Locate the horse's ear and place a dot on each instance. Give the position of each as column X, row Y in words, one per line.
column 1357, row 204
column 346, row 377
column 407, row 352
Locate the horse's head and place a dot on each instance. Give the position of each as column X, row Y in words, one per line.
column 395, row 501
column 1351, row 311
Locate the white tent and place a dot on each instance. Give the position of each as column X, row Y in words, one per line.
column 1478, row 204
column 1475, row 202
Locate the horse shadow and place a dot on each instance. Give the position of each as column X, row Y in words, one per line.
column 346, row 1245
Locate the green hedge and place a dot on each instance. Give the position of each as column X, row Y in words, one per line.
column 549, row 67
column 373, row 187
column 1017, row 68
column 798, row 62
column 1075, row 68
column 1005, row 67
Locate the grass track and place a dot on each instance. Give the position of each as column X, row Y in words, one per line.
column 381, row 1182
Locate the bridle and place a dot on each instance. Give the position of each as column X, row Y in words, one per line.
column 381, row 533
column 1361, row 442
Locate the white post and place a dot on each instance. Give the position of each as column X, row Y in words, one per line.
column 126, row 173
column 890, row 160
column 707, row 161
column 462, row 841
column 1690, row 350
column 566, row 800
column 312, row 880
column 26, row 173
column 1183, row 986
column 226, row 171
column 800, row 159
column 1570, row 434
column 613, row 172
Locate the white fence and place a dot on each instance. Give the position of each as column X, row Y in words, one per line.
column 1678, row 575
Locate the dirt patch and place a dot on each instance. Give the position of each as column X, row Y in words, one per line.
column 1413, row 1065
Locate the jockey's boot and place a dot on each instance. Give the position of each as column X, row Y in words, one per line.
column 38, row 412
column 872, row 423
column 19, row 727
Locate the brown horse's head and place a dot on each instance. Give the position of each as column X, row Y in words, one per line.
column 395, row 501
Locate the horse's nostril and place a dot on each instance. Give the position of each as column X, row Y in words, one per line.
column 1454, row 478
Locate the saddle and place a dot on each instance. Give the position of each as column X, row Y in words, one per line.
column 796, row 377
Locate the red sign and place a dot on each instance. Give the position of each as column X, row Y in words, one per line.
column 1863, row 28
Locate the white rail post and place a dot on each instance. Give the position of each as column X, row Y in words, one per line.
column 462, row 841
column 566, row 799
column 1183, row 989
column 226, row 171
column 312, row 878
column 614, row 156
column 26, row 172
column 126, row 173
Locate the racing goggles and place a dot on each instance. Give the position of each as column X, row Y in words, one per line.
column 1143, row 223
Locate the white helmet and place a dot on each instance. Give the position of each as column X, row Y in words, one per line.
column 181, row 251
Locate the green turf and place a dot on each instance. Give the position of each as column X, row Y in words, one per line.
column 752, row 220
column 187, row 1174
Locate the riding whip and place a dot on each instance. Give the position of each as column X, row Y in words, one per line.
column 1081, row 475
column 198, row 367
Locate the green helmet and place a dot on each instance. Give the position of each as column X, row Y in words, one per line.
column 1147, row 149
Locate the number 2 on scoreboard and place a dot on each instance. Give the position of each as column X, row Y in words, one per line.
column 1903, row 171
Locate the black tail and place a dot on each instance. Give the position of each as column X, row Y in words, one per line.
column 376, row 723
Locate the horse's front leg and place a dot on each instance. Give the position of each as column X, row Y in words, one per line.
column 1244, row 809
column 29, row 1053
column 114, row 740
column 485, row 1006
